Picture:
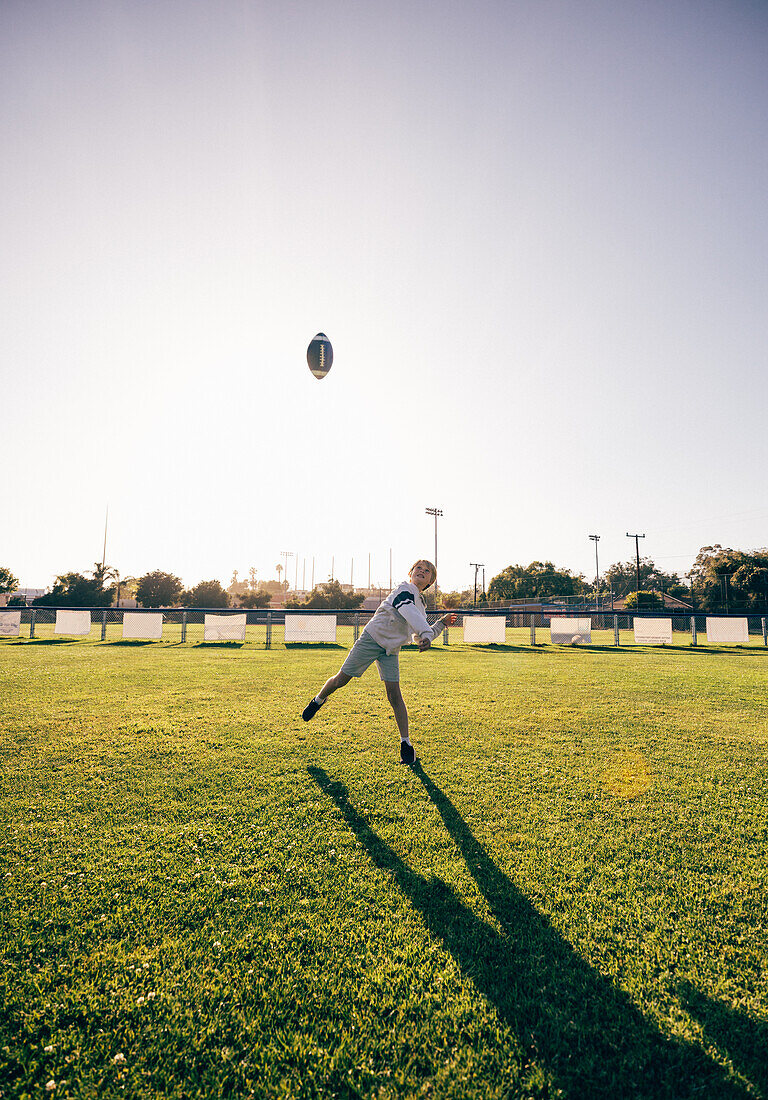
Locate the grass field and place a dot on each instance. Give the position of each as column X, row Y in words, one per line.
column 204, row 896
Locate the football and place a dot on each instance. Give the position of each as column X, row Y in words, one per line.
column 320, row 355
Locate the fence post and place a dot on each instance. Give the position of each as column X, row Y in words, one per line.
column 693, row 630
column 103, row 624
column 765, row 633
column 183, row 626
column 616, row 630
column 32, row 622
column 357, row 625
column 533, row 630
column 269, row 631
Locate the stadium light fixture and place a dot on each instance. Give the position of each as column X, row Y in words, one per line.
column 435, row 512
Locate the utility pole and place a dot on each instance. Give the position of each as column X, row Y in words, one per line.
column 477, row 565
column 596, row 539
column 637, row 558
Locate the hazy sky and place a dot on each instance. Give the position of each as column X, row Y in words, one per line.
column 536, row 232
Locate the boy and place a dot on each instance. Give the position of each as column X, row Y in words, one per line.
column 401, row 615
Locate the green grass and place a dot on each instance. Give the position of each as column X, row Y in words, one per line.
column 203, row 896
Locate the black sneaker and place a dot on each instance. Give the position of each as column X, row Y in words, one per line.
column 311, row 709
column 407, row 753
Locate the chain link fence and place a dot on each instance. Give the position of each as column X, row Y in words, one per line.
column 265, row 628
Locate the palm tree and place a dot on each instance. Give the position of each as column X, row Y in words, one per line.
column 102, row 572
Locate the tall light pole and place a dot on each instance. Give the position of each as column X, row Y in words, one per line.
column 477, row 565
column 104, row 551
column 596, row 539
column 435, row 512
column 637, row 558
column 286, row 554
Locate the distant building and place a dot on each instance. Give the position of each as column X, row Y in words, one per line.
column 26, row 594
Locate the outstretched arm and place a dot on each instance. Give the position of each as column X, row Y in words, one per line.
column 437, row 628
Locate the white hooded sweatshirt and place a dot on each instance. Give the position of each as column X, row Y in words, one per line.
column 401, row 615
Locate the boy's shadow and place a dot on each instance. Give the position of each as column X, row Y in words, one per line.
column 584, row 1032
column 745, row 1039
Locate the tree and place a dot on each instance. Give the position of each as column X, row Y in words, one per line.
column 751, row 579
column 206, row 594
column 644, row 601
column 329, row 594
column 456, row 599
column 538, row 580
column 256, row 598
column 126, row 588
column 8, row 583
column 622, row 579
column 726, row 578
column 158, row 589
column 101, row 572
column 76, row 590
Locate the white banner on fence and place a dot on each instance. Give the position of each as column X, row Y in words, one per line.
column 224, row 628
column 310, row 628
column 727, row 632
column 143, row 624
column 10, row 624
column 653, row 631
column 570, row 631
column 72, row 622
column 485, row 629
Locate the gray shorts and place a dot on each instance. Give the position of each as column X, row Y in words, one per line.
column 362, row 655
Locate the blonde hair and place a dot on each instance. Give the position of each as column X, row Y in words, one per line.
column 424, row 561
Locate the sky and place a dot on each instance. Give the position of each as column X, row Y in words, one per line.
column 535, row 231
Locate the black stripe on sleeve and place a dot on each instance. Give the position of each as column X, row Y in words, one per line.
column 403, row 597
